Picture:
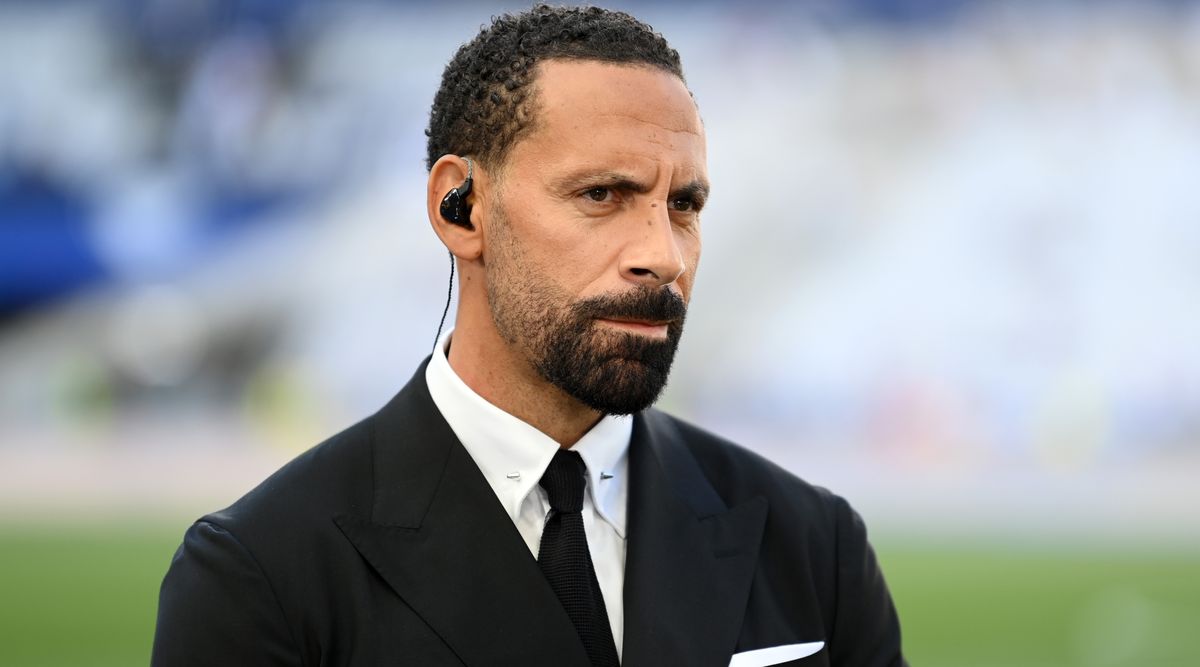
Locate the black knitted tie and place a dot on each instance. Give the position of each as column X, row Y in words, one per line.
column 566, row 562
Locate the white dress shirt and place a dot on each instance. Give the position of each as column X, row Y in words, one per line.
column 513, row 455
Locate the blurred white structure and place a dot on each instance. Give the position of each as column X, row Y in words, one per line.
column 951, row 265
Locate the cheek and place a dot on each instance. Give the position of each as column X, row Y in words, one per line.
column 690, row 248
column 571, row 252
column 576, row 251
column 590, row 264
column 575, row 248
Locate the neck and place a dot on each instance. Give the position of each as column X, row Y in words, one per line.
column 501, row 375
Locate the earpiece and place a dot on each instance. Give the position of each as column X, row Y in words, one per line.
column 455, row 208
column 457, row 211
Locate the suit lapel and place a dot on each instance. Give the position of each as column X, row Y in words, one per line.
column 440, row 539
column 689, row 560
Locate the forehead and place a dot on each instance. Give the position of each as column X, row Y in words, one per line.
column 589, row 109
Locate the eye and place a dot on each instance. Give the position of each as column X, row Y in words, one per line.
column 682, row 204
column 598, row 194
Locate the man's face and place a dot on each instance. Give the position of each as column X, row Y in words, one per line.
column 594, row 237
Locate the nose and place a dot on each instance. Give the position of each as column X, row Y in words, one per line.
column 653, row 257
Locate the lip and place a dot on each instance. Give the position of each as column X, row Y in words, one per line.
column 656, row 329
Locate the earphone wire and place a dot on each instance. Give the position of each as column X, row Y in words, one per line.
column 449, row 294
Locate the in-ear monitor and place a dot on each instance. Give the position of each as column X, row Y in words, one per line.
column 455, row 208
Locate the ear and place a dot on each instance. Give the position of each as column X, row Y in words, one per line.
column 449, row 172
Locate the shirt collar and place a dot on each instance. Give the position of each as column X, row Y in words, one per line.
column 512, row 455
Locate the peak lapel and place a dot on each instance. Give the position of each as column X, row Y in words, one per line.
column 690, row 558
column 440, row 539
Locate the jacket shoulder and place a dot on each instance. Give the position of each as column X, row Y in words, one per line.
column 815, row 542
column 231, row 595
column 329, row 478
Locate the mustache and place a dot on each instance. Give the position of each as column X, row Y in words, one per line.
column 642, row 303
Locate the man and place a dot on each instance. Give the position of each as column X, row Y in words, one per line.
column 518, row 503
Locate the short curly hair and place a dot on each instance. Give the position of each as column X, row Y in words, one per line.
column 486, row 101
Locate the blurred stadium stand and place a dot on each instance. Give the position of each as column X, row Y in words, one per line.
column 953, row 251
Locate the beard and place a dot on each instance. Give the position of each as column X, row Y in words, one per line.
column 611, row 371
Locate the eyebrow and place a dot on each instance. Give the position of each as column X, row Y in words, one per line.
column 696, row 190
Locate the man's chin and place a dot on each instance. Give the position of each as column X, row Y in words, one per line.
column 622, row 386
column 613, row 370
column 611, row 408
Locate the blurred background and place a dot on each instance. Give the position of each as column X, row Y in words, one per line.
column 951, row 271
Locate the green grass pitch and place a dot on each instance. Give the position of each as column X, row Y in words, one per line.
column 86, row 596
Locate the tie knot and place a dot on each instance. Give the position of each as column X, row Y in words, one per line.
column 564, row 481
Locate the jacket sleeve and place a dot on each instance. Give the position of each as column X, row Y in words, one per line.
column 866, row 630
column 216, row 607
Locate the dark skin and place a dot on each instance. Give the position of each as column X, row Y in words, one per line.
column 601, row 196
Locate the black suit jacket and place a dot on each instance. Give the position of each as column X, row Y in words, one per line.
column 385, row 545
